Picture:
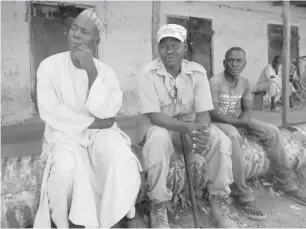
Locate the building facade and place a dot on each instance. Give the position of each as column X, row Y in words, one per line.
column 30, row 34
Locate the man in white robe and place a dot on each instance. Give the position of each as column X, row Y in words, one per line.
column 91, row 176
column 270, row 81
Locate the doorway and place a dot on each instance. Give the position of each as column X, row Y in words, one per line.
column 275, row 41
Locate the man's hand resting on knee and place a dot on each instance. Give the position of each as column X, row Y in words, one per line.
column 199, row 137
column 102, row 123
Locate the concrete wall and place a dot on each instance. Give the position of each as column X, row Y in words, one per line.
column 126, row 44
column 241, row 24
column 15, row 63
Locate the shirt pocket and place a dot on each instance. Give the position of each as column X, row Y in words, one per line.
column 188, row 99
column 164, row 96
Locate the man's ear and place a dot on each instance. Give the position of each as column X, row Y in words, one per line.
column 186, row 46
column 97, row 40
column 224, row 63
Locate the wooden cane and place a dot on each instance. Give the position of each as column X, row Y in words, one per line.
column 189, row 178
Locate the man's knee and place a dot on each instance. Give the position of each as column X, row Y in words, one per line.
column 110, row 148
column 220, row 141
column 63, row 162
column 273, row 89
column 272, row 131
column 158, row 146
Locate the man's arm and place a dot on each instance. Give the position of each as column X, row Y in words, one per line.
column 270, row 72
column 85, row 57
column 203, row 118
column 167, row 122
column 246, row 102
column 149, row 105
column 203, row 99
column 105, row 96
column 102, row 123
column 52, row 111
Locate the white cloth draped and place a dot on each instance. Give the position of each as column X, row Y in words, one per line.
column 275, row 84
column 68, row 110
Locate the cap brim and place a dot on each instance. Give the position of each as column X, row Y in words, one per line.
column 169, row 35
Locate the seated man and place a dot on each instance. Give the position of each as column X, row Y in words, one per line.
column 170, row 87
column 270, row 81
column 230, row 93
column 85, row 182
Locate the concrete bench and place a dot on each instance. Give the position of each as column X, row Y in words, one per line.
column 21, row 176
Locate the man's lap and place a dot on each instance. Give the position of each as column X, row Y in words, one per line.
column 108, row 144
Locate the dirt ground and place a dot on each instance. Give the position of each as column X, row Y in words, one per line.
column 281, row 211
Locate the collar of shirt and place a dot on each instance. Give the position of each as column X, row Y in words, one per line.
column 162, row 71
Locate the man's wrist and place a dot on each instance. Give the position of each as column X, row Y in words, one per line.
column 183, row 127
column 92, row 73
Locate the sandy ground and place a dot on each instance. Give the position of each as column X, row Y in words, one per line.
column 282, row 213
column 25, row 139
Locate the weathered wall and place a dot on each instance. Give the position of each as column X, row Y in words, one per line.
column 241, row 24
column 15, row 64
column 126, row 45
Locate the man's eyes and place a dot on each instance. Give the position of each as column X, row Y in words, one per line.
column 171, row 47
column 84, row 31
column 74, row 28
column 232, row 60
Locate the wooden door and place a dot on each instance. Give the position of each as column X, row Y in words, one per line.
column 199, row 40
column 275, row 41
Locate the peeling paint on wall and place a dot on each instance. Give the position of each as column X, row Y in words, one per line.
column 126, row 45
column 15, row 65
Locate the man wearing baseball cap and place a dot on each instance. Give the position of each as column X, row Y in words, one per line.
column 175, row 96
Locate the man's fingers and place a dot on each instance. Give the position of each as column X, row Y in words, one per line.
column 200, row 144
column 202, row 138
column 83, row 48
column 78, row 54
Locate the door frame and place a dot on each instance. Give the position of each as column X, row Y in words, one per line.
column 277, row 22
column 211, row 41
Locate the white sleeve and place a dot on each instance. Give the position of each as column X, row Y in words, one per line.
column 105, row 96
column 51, row 109
column 270, row 71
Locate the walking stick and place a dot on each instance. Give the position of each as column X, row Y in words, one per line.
column 189, row 178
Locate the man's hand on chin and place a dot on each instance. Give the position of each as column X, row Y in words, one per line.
column 85, row 57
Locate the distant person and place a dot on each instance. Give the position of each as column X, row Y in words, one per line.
column 270, row 81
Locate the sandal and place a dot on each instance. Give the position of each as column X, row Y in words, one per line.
column 251, row 210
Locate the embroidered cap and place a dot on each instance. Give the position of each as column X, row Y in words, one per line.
column 172, row 30
column 97, row 19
